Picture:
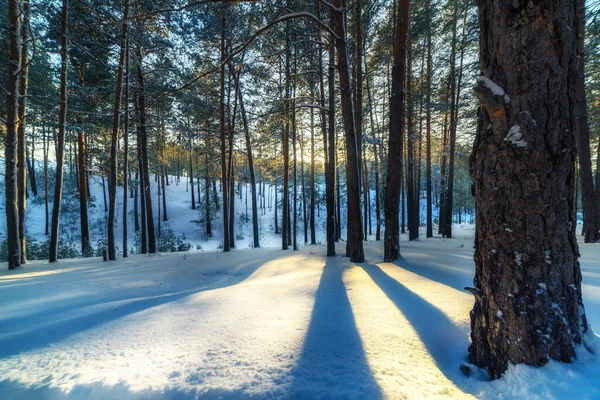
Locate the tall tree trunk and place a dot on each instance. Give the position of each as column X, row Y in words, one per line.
column 355, row 243
column 455, row 93
column 255, row 234
column 46, row 145
column 294, row 141
column 392, row 187
column 144, row 152
column 191, row 171
column 12, row 126
column 285, row 228
column 22, row 138
column 112, row 189
column 358, row 100
column 83, row 198
column 374, row 132
column 429, row 231
column 329, row 143
column 62, row 122
column 413, row 231
column 224, row 178
column 126, row 170
column 528, row 305
column 313, row 237
column 591, row 226
column 207, row 216
column 31, row 161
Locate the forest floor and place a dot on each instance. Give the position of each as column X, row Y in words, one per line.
column 263, row 324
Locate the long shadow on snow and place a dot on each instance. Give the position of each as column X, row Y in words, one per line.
column 122, row 272
column 332, row 363
column 445, row 341
column 455, row 277
column 60, row 329
column 14, row 390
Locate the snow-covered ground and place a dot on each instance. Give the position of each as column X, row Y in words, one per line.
column 263, row 323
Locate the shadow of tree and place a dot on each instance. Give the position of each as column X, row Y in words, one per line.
column 446, row 342
column 57, row 323
column 332, row 355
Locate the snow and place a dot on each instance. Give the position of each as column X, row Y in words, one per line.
column 496, row 90
column 515, row 137
column 264, row 323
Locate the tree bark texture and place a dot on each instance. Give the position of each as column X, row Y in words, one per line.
column 392, row 188
column 355, row 242
column 528, row 306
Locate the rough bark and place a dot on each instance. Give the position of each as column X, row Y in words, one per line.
column 396, row 121
column 355, row 242
column 528, row 305
column 60, row 142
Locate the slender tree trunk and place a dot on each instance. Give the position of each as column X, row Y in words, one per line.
column 285, row 228
column 591, row 227
column 255, row 234
column 313, row 236
column 528, row 304
column 141, row 181
column 224, row 178
column 375, row 134
column 355, row 243
column 46, row 144
column 62, row 122
column 208, row 216
column 429, row 232
column 135, row 202
column 392, row 188
column 112, row 189
column 22, row 139
column 329, row 143
column 294, row 140
column 191, row 171
column 144, row 152
column 30, row 160
column 126, row 170
column 83, row 199
column 410, row 150
column 12, row 127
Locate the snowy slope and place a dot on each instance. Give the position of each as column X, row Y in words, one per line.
column 263, row 324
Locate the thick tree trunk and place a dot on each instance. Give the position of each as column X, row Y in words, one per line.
column 83, row 198
column 60, row 145
column 528, row 305
column 392, row 188
column 12, row 126
column 355, row 242
column 112, row 189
